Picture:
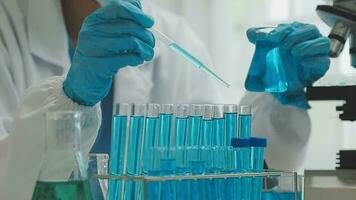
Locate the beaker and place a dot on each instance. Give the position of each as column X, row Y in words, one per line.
column 63, row 172
column 267, row 70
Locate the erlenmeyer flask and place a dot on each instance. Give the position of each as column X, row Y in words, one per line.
column 270, row 77
column 63, row 173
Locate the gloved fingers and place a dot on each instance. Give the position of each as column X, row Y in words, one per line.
column 318, row 46
column 117, row 62
column 280, row 33
column 254, row 34
column 301, row 34
column 136, row 3
column 107, row 66
column 123, row 27
column 122, row 10
column 314, row 68
column 102, row 47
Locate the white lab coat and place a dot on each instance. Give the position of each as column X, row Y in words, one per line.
column 34, row 52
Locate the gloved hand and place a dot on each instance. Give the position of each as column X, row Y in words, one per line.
column 304, row 54
column 111, row 38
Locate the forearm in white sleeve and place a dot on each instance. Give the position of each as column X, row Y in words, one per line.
column 287, row 129
column 26, row 143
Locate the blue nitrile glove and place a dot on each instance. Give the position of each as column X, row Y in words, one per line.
column 304, row 53
column 111, row 38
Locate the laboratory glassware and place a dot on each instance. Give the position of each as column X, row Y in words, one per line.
column 165, row 138
column 117, row 151
column 181, row 123
column 230, row 114
column 187, row 55
column 258, row 146
column 270, row 77
column 134, row 149
column 182, row 166
column 151, row 130
column 98, row 165
column 245, row 120
column 207, row 125
column 218, row 138
column 68, row 179
column 243, row 164
column 194, row 124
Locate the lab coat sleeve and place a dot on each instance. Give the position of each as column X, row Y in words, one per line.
column 287, row 129
column 26, row 155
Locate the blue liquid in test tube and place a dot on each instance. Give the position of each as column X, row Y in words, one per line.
column 180, row 134
column 230, row 114
column 197, row 167
column 218, row 126
column 258, row 146
column 135, row 149
column 243, row 165
column 165, row 125
column 181, row 123
column 207, row 134
column 230, row 167
column 194, row 125
column 207, row 125
column 117, row 152
column 218, row 140
column 168, row 167
column 245, row 121
column 151, row 130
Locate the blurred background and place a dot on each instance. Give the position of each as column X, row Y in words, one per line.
column 221, row 25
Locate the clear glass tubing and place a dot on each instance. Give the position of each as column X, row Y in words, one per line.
column 187, row 55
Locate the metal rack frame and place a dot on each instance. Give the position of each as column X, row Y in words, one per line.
column 148, row 179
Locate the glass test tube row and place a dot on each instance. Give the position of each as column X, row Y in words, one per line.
column 245, row 155
column 141, row 132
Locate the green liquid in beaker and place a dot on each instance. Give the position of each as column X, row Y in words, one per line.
column 65, row 190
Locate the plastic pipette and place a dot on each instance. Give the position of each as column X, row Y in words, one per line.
column 188, row 56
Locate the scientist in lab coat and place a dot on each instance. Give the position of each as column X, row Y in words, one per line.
column 37, row 40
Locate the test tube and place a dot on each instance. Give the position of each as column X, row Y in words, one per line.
column 181, row 120
column 117, row 152
column 230, row 162
column 151, row 126
column 230, row 114
column 206, row 151
column 245, row 120
column 218, row 138
column 197, row 167
column 167, row 167
column 207, row 125
column 135, row 148
column 194, row 124
column 258, row 146
column 165, row 125
column 243, row 165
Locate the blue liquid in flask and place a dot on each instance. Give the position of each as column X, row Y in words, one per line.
column 275, row 79
column 270, row 77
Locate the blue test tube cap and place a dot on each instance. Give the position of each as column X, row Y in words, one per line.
column 258, row 142
column 240, row 142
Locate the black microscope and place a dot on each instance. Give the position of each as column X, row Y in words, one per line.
column 340, row 183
